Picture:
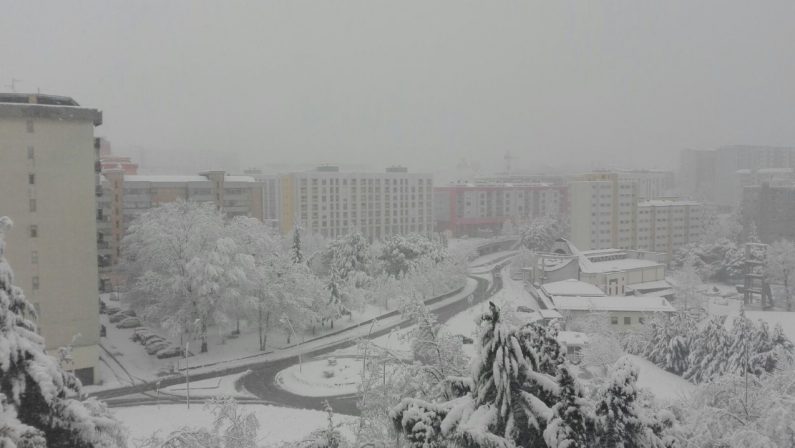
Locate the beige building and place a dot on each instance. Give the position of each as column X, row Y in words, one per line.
column 621, row 313
column 665, row 225
column 332, row 203
column 48, row 181
column 125, row 197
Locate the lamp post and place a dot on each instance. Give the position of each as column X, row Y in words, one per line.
column 286, row 320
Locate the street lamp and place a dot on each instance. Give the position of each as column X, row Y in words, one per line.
column 286, row 321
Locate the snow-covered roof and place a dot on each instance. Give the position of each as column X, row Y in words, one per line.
column 625, row 264
column 572, row 287
column 612, row 303
column 164, row 178
column 572, row 338
column 650, row 286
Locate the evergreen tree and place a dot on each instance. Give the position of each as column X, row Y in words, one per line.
column 709, row 352
column 297, row 249
column 619, row 420
column 571, row 425
column 40, row 403
column 542, row 339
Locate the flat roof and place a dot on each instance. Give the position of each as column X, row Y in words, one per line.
column 572, row 287
column 613, row 303
column 164, row 178
column 666, row 203
column 625, row 264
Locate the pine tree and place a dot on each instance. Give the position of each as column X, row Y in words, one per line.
column 620, row 423
column 297, row 250
column 39, row 401
column 571, row 425
column 709, row 352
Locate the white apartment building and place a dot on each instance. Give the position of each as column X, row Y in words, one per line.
column 666, row 225
column 603, row 209
column 607, row 212
column 48, row 180
column 651, row 183
column 334, row 203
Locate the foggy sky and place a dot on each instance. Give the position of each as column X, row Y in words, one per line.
column 418, row 83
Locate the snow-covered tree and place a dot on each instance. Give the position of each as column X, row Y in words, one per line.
column 296, row 249
column 572, row 423
column 541, row 233
column 505, row 405
column 781, row 266
column 40, row 403
column 687, row 281
column 709, row 352
column 601, row 352
column 400, row 253
column 621, row 420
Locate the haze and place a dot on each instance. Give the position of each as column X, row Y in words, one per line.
column 238, row 84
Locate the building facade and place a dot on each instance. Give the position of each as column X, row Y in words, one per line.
column 333, row 203
column 667, row 225
column 772, row 208
column 48, row 183
column 472, row 208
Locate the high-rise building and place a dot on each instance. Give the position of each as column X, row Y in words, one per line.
column 333, row 203
column 124, row 198
column 469, row 209
column 665, row 225
column 48, row 182
column 772, row 209
column 603, row 210
column 696, row 177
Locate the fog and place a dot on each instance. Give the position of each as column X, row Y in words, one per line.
column 423, row 84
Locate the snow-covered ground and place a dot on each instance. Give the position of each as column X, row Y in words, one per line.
column 223, row 386
column 664, row 385
column 322, row 377
column 277, row 424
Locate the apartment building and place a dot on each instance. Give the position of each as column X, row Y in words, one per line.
column 603, row 210
column 470, row 209
column 48, row 178
column 772, row 208
column 332, row 203
column 125, row 197
column 651, row 183
column 271, row 196
column 608, row 212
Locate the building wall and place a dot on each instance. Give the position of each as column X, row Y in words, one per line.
column 666, row 226
column 333, row 203
column 617, row 320
column 603, row 210
column 58, row 268
column 772, row 208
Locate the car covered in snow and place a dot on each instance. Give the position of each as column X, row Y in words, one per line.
column 140, row 333
column 118, row 317
column 155, row 347
column 130, row 322
column 170, row 352
column 111, row 310
column 150, row 338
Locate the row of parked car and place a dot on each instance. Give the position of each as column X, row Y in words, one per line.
column 153, row 343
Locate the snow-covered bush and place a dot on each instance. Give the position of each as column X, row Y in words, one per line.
column 400, row 253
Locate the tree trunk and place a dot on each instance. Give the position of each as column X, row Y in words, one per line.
column 259, row 327
column 786, row 291
column 204, row 337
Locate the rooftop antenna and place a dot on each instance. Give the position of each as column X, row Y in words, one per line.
column 13, row 85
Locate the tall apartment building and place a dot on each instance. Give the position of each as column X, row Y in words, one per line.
column 471, row 208
column 652, row 184
column 271, row 196
column 666, row 225
column 603, row 210
column 48, row 184
column 333, row 203
column 772, row 208
column 608, row 212
column 124, row 198
column 731, row 168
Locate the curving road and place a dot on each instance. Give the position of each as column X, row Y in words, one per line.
column 261, row 381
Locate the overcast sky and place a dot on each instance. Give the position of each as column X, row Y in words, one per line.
column 418, row 83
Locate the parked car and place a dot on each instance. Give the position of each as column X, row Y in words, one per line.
column 118, row 317
column 129, row 313
column 155, row 347
column 524, row 309
column 102, row 307
column 141, row 333
column 111, row 310
column 144, row 340
column 171, row 352
column 130, row 322
column 465, row 339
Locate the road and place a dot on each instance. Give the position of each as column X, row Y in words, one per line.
column 260, row 381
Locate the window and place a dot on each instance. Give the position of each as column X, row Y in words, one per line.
column 30, row 153
column 32, row 205
column 31, row 179
column 30, row 126
column 35, row 282
column 627, row 320
column 34, row 257
column 34, row 231
column 614, row 320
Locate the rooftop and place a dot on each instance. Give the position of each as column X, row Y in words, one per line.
column 40, row 106
column 572, row 287
column 625, row 264
column 666, row 203
column 164, row 178
column 611, row 303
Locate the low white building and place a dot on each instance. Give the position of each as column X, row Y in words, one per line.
column 621, row 313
